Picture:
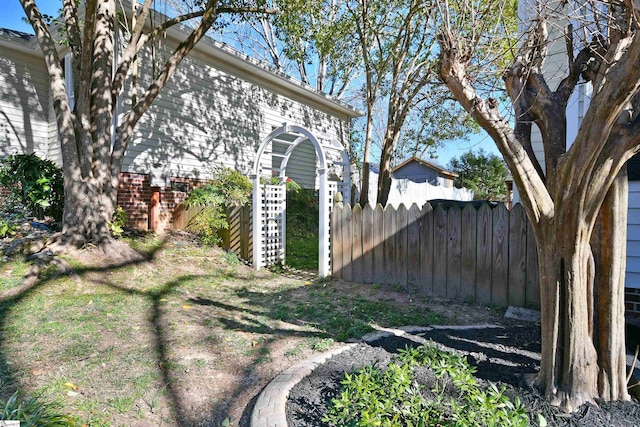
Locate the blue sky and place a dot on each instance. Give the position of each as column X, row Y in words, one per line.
column 12, row 14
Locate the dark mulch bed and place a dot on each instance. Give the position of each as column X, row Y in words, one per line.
column 500, row 355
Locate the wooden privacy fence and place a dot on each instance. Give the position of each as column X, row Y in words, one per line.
column 478, row 254
column 237, row 238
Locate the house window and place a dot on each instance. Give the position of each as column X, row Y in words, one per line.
column 68, row 79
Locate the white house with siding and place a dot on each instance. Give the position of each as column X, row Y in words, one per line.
column 217, row 108
column 555, row 70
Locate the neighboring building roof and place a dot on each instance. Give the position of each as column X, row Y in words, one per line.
column 18, row 40
column 224, row 57
column 430, row 165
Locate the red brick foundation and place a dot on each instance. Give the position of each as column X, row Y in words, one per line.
column 135, row 197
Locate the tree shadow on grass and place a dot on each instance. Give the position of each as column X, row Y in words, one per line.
column 315, row 311
column 40, row 275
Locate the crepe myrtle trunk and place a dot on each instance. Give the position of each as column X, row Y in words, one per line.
column 88, row 207
column 582, row 302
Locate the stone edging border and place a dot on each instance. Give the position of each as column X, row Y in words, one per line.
column 269, row 410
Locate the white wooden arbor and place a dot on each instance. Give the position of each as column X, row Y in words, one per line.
column 269, row 201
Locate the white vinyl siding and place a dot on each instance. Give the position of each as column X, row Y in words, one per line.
column 25, row 109
column 207, row 117
column 633, row 237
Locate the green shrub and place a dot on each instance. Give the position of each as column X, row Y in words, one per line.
column 34, row 412
column 6, row 228
column 372, row 397
column 118, row 221
column 227, row 188
column 35, row 183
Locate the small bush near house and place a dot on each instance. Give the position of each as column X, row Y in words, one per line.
column 118, row 221
column 34, row 183
column 228, row 188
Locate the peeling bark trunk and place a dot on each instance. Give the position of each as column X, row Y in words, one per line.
column 569, row 362
column 609, row 242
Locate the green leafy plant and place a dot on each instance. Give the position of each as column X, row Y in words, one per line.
column 322, row 344
column 228, row 188
column 35, row 183
column 33, row 411
column 6, row 228
column 118, row 221
column 373, row 397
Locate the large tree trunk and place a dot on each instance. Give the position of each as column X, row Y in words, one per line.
column 88, row 207
column 582, row 298
column 568, row 367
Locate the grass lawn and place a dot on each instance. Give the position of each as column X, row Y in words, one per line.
column 187, row 338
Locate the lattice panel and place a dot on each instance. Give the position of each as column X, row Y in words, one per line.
column 272, row 239
column 332, row 189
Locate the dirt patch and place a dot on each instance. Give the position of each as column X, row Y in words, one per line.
column 501, row 356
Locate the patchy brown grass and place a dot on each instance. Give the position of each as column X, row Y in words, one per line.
column 187, row 336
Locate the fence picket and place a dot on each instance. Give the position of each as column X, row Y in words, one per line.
column 356, row 243
column 401, row 245
column 413, row 247
column 454, row 251
column 500, row 270
column 439, row 253
column 347, row 272
column 468, row 264
column 532, row 291
column 378, row 244
column 367, row 244
column 233, row 237
column 426, row 250
column 247, row 226
column 336, row 241
column 483, row 250
column 389, row 245
column 517, row 256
